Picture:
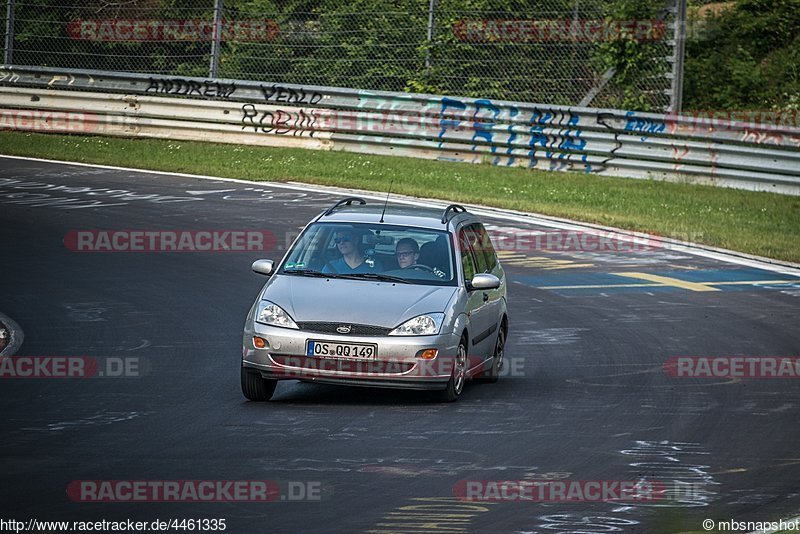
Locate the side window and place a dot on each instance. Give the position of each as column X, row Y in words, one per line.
column 477, row 248
column 467, row 260
column 484, row 247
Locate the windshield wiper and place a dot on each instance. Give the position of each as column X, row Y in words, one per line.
column 311, row 272
column 375, row 276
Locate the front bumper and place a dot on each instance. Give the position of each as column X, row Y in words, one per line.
column 396, row 364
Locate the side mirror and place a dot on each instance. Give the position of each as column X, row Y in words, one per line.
column 263, row 267
column 483, row 281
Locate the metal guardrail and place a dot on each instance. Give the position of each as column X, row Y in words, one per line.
column 606, row 142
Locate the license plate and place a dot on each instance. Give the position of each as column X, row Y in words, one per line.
column 328, row 349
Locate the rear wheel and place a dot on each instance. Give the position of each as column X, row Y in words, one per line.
column 255, row 387
column 459, row 376
column 493, row 373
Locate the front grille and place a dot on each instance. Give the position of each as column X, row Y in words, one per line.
column 355, row 329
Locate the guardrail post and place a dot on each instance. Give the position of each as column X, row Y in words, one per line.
column 676, row 96
column 217, row 37
column 8, row 57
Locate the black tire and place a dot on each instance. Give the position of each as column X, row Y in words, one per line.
column 458, row 377
column 257, row 388
column 492, row 375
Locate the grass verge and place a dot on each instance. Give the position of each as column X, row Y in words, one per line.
column 765, row 224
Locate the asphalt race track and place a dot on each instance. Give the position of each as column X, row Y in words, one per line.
column 586, row 396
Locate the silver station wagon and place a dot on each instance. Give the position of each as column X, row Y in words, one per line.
column 385, row 296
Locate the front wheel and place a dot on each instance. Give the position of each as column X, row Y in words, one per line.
column 255, row 387
column 459, row 376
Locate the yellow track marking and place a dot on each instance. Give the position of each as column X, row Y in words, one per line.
column 667, row 281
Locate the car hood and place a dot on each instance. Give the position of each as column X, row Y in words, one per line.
column 354, row 301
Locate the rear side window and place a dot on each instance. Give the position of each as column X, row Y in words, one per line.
column 467, row 259
column 484, row 248
column 485, row 259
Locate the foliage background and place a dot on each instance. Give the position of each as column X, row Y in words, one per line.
column 743, row 55
column 373, row 44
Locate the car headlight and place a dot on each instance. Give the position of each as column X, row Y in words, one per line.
column 421, row 325
column 273, row 315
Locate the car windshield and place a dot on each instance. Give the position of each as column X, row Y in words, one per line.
column 373, row 252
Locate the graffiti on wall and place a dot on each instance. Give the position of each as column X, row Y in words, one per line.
column 179, row 86
column 297, row 122
column 289, row 95
column 541, row 138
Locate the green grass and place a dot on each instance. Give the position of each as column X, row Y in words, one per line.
column 765, row 224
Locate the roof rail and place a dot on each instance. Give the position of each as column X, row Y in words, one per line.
column 344, row 202
column 455, row 208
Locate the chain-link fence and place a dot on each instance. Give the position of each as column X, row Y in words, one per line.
column 6, row 31
column 609, row 53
